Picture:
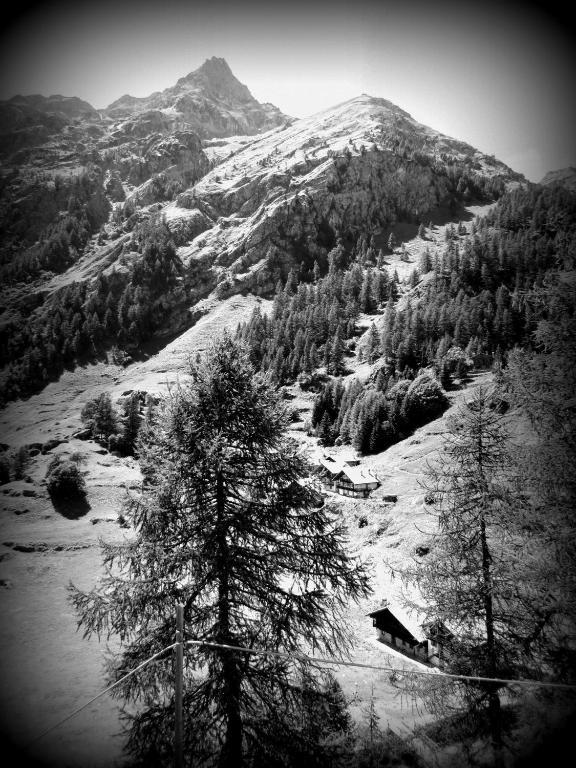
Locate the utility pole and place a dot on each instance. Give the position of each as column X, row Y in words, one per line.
column 179, row 672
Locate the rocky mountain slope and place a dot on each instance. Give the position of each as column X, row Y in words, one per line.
column 43, row 139
column 565, row 177
column 242, row 211
column 287, row 196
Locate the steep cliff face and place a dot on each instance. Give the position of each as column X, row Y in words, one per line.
column 178, row 154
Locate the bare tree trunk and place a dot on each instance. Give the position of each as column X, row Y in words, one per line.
column 231, row 754
column 494, row 708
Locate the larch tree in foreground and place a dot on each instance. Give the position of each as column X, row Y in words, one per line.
column 225, row 526
column 469, row 580
column 541, row 383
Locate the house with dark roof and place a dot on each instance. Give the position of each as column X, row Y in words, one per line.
column 427, row 643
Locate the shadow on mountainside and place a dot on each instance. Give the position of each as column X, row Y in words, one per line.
column 405, row 231
column 152, row 346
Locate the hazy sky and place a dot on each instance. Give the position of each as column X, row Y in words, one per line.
column 501, row 76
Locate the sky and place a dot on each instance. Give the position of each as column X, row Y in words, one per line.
column 500, row 76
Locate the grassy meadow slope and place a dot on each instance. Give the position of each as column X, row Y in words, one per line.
column 48, row 669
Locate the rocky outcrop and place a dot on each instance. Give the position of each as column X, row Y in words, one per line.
column 169, row 163
column 113, row 187
column 141, row 126
column 186, row 224
column 182, row 149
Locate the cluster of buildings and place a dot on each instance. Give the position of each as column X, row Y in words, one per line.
column 428, row 643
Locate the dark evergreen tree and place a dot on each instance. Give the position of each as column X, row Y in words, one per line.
column 335, row 358
column 225, row 527
column 372, row 347
column 425, row 264
column 424, row 401
column 325, row 432
column 100, row 417
column 132, row 422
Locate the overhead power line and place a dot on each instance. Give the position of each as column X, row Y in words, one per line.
column 341, row 662
column 440, row 675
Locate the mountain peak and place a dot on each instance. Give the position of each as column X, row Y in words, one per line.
column 216, row 78
column 216, row 66
column 210, row 100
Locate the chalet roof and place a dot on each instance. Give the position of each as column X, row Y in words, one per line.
column 357, row 475
column 434, row 630
column 330, row 465
column 409, row 622
column 349, row 459
column 387, row 621
column 437, row 629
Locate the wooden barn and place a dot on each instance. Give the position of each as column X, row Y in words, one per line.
column 427, row 643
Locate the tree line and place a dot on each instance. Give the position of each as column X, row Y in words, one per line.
column 61, row 242
column 80, row 322
column 465, row 308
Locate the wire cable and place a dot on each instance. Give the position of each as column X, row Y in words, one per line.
column 327, row 660
column 307, row 659
column 98, row 695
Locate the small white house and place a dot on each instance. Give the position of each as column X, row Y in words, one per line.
column 344, row 476
column 355, row 481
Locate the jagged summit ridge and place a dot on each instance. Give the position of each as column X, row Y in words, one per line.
column 211, row 100
column 216, row 78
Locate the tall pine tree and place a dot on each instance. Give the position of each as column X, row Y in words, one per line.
column 225, row 526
